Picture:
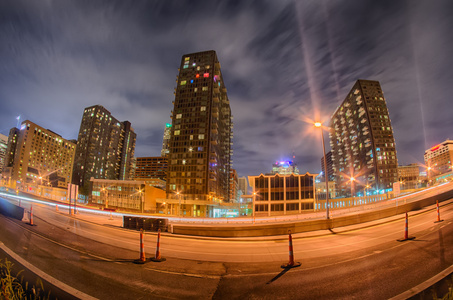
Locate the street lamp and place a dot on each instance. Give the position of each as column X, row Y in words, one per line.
column 253, row 206
column 319, row 125
column 366, row 190
column 352, row 187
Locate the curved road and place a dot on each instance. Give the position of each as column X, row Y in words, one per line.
column 363, row 261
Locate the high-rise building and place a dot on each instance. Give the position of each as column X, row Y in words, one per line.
column 105, row 148
column 9, row 156
column 243, row 186
column 285, row 167
column 151, row 168
column 3, row 147
column 439, row 159
column 234, row 186
column 167, row 132
column 41, row 157
column 329, row 166
column 200, row 155
column 362, row 143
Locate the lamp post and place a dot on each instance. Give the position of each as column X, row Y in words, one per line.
column 319, row 125
column 366, row 190
column 352, row 188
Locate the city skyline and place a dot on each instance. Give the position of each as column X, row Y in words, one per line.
column 281, row 62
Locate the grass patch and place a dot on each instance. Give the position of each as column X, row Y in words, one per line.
column 12, row 286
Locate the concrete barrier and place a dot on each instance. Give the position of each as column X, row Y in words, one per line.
column 305, row 226
column 11, row 210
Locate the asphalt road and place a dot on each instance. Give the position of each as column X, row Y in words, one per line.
column 352, row 262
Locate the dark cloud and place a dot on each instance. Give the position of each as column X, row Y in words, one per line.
column 283, row 62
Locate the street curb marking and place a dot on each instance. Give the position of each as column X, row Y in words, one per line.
column 424, row 285
column 63, row 286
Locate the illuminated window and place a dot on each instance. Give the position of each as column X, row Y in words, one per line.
column 206, row 75
column 195, row 90
column 191, row 81
column 203, row 108
column 177, row 132
column 183, row 82
column 201, row 136
column 197, row 76
column 178, row 116
column 185, row 66
column 205, row 88
column 186, row 58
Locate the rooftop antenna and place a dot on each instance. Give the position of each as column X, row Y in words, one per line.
column 18, row 121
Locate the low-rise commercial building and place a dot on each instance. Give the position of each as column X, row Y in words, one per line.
column 409, row 176
column 128, row 195
column 283, row 194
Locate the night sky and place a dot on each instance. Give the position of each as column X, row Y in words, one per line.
column 283, row 62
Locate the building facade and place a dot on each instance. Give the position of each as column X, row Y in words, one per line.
column 283, row 194
column 125, row 195
column 41, row 157
column 329, row 160
column 151, row 168
column 3, row 149
column 9, row 156
column 200, row 155
column 409, row 176
column 167, row 133
column 243, row 185
column 105, row 148
column 439, row 159
column 234, row 186
column 362, row 142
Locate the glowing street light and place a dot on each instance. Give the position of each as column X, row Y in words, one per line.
column 319, row 125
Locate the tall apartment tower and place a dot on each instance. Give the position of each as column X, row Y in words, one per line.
column 200, row 157
column 41, row 157
column 243, row 186
column 165, row 146
column 362, row 143
column 13, row 137
column 3, row 147
column 329, row 166
column 105, row 148
column 234, row 187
